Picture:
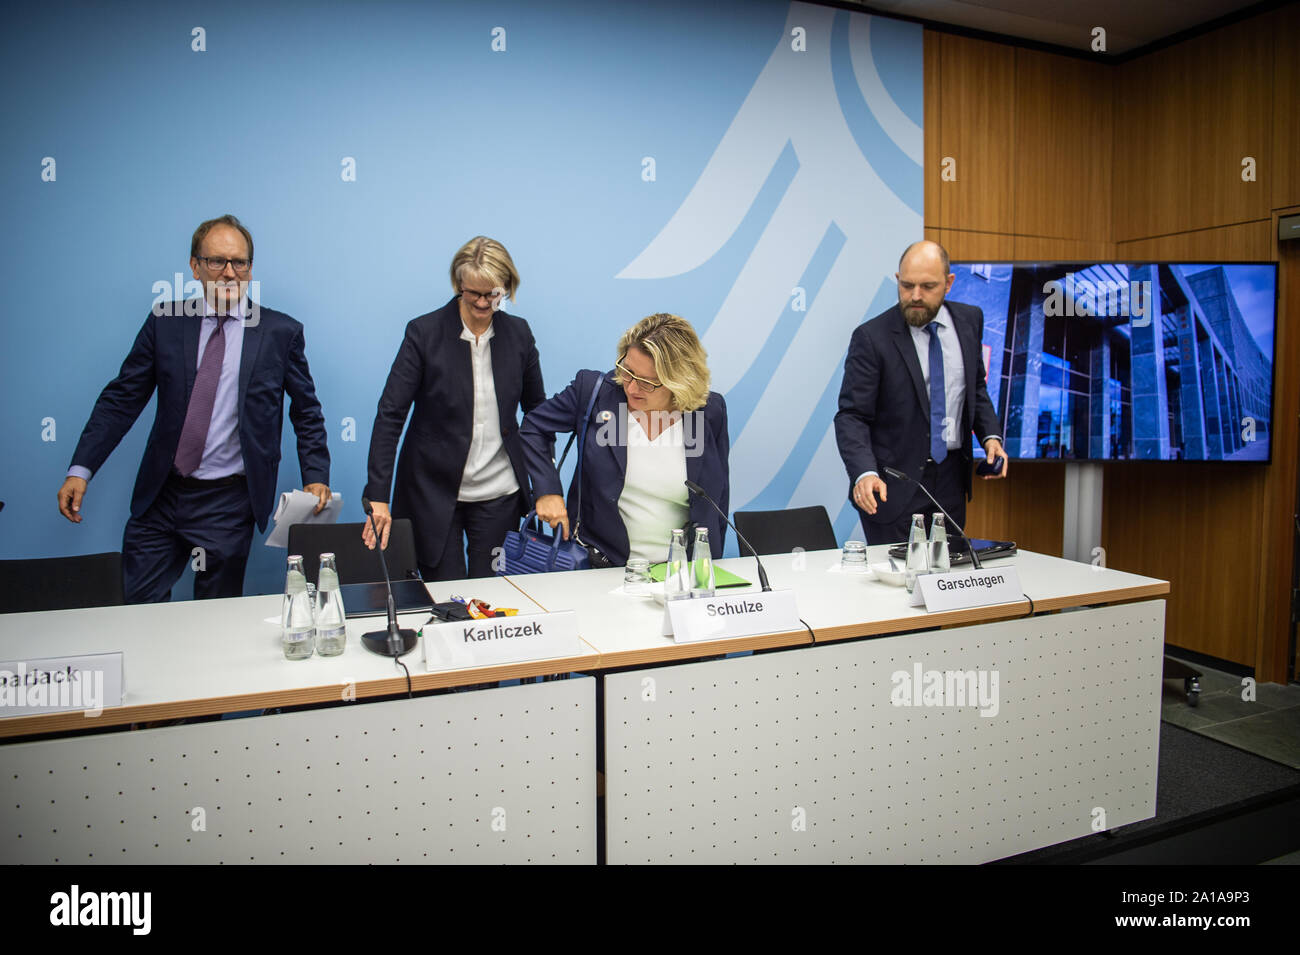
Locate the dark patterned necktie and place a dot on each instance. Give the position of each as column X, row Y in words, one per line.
column 199, row 414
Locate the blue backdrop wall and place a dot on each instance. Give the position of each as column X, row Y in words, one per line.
column 753, row 166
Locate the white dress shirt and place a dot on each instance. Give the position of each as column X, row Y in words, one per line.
column 488, row 473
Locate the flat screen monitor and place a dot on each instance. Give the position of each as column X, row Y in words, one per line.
column 1128, row 361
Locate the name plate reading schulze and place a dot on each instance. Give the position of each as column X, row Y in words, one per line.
column 91, row 682
column 476, row 643
column 734, row 615
column 961, row 589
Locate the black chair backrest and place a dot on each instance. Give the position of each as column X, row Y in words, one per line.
column 356, row 563
column 780, row 532
column 61, row 583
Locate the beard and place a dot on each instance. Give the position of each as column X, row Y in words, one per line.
column 919, row 316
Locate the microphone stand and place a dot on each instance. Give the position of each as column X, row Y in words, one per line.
column 700, row 492
column 393, row 642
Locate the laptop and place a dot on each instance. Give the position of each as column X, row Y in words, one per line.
column 371, row 600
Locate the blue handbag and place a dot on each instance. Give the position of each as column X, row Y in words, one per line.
column 532, row 550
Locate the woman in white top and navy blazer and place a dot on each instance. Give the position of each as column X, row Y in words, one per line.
column 653, row 425
column 467, row 368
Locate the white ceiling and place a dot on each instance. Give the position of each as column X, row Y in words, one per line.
column 1129, row 24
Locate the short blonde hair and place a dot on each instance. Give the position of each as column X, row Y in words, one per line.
column 488, row 258
column 680, row 360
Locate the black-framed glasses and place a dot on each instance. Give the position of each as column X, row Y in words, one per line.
column 647, row 385
column 492, row 296
column 213, row 264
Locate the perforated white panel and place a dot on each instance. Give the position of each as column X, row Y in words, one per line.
column 497, row 775
column 802, row 755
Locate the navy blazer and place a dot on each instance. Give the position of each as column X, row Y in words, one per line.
column 434, row 370
column 884, row 415
column 165, row 356
column 604, row 468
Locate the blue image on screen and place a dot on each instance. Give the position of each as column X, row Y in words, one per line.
column 1128, row 361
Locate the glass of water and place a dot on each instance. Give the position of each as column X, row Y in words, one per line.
column 636, row 577
column 853, row 559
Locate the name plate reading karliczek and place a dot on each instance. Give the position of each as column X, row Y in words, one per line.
column 90, row 682
column 475, row 643
column 961, row 589
column 747, row 614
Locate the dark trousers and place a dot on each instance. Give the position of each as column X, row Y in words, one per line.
column 156, row 546
column 484, row 524
column 944, row 481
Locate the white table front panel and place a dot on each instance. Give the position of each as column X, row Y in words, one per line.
column 494, row 775
column 721, row 761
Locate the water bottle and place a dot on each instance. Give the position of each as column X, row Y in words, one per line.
column 702, row 583
column 939, row 559
column 677, row 574
column 297, row 623
column 331, row 624
column 917, row 557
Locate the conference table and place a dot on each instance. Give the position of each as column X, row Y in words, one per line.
column 875, row 732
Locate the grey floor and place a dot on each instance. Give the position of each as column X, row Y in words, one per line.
column 1268, row 725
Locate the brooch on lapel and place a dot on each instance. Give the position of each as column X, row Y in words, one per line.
column 604, row 416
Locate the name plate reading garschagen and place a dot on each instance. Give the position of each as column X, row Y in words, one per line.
column 733, row 615
column 961, row 589
column 91, row 682
column 474, row 643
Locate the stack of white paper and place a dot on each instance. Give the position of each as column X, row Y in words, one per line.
column 296, row 507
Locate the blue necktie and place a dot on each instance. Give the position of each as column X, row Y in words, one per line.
column 938, row 399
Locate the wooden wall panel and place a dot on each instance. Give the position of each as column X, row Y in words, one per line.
column 977, row 97
column 1277, row 513
column 974, row 245
column 1285, row 169
column 1196, row 526
column 1247, row 242
column 1030, row 247
column 1027, row 507
column 1063, row 147
column 1185, row 117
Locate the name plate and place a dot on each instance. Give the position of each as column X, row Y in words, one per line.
column 476, row 643
column 746, row 614
column 961, row 589
column 90, row 682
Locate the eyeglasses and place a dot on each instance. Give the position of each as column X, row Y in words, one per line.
column 647, row 385
column 219, row 265
column 473, row 296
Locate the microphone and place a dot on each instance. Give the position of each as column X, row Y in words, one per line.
column 392, row 642
column 700, row 492
column 975, row 558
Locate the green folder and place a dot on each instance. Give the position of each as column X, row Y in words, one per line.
column 721, row 578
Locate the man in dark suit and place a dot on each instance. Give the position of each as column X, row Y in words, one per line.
column 221, row 366
column 913, row 393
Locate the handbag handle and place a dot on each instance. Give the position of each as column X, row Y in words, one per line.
column 581, row 435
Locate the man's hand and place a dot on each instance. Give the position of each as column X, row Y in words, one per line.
column 74, row 488
column 865, row 491
column 993, row 451
column 383, row 521
column 322, row 491
column 551, row 509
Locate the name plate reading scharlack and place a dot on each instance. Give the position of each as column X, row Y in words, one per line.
column 475, row 643
column 962, row 589
column 746, row 614
column 90, row 682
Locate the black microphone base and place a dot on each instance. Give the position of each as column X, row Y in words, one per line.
column 377, row 642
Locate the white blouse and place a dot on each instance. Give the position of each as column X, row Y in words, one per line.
column 654, row 499
column 488, row 473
